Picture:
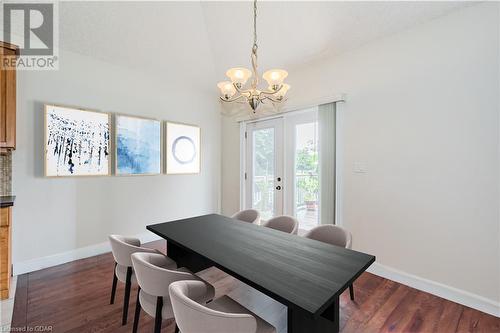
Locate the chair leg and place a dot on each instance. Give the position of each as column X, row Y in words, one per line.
column 159, row 307
column 351, row 292
column 113, row 288
column 137, row 312
column 176, row 328
column 126, row 297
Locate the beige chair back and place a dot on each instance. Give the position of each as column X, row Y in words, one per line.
column 122, row 248
column 248, row 215
column 192, row 317
column 331, row 234
column 288, row 224
column 151, row 277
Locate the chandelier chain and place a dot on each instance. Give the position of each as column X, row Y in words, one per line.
column 255, row 22
column 255, row 80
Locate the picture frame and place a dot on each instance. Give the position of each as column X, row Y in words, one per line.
column 72, row 151
column 182, row 148
column 138, row 146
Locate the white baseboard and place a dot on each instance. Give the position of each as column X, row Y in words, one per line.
column 32, row 265
column 450, row 293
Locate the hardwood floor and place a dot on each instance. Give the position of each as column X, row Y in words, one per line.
column 74, row 297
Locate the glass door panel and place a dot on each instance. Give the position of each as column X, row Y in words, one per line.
column 264, row 167
column 263, row 172
column 306, row 175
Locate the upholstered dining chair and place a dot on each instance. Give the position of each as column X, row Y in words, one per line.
column 334, row 235
column 248, row 215
column 288, row 224
column 122, row 248
column 154, row 280
column 222, row 315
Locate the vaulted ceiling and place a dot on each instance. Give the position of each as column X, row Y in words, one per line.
column 155, row 36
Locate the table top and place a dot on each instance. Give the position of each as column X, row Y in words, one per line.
column 305, row 273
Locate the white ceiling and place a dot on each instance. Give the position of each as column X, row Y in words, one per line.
column 152, row 36
column 159, row 35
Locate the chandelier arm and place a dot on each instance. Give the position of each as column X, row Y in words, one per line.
column 274, row 109
column 264, row 99
column 242, row 91
column 231, row 99
column 274, row 100
column 270, row 92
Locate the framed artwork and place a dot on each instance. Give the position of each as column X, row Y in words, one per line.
column 76, row 142
column 138, row 146
column 182, row 148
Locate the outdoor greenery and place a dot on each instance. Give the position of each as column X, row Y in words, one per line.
column 307, row 171
column 264, row 168
column 264, row 152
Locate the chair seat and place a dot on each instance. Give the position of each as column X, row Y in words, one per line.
column 228, row 305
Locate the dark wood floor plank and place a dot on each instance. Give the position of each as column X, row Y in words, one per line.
column 74, row 297
column 369, row 307
column 403, row 313
column 427, row 314
column 377, row 321
column 20, row 312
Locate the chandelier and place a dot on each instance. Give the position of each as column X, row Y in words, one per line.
column 234, row 90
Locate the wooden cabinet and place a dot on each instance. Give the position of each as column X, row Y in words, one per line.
column 5, row 251
column 8, row 52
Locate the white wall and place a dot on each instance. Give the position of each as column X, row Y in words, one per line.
column 230, row 189
column 422, row 113
column 54, row 216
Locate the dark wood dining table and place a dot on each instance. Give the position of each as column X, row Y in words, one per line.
column 307, row 276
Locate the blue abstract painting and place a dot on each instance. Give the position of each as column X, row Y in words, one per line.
column 138, row 146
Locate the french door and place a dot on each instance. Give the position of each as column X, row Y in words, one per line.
column 302, row 168
column 282, row 167
column 264, row 167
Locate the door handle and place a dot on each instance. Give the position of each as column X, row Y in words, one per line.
column 278, row 187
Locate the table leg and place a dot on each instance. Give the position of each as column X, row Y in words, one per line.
column 187, row 258
column 301, row 321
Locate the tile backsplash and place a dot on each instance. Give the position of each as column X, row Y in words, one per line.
column 6, row 173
